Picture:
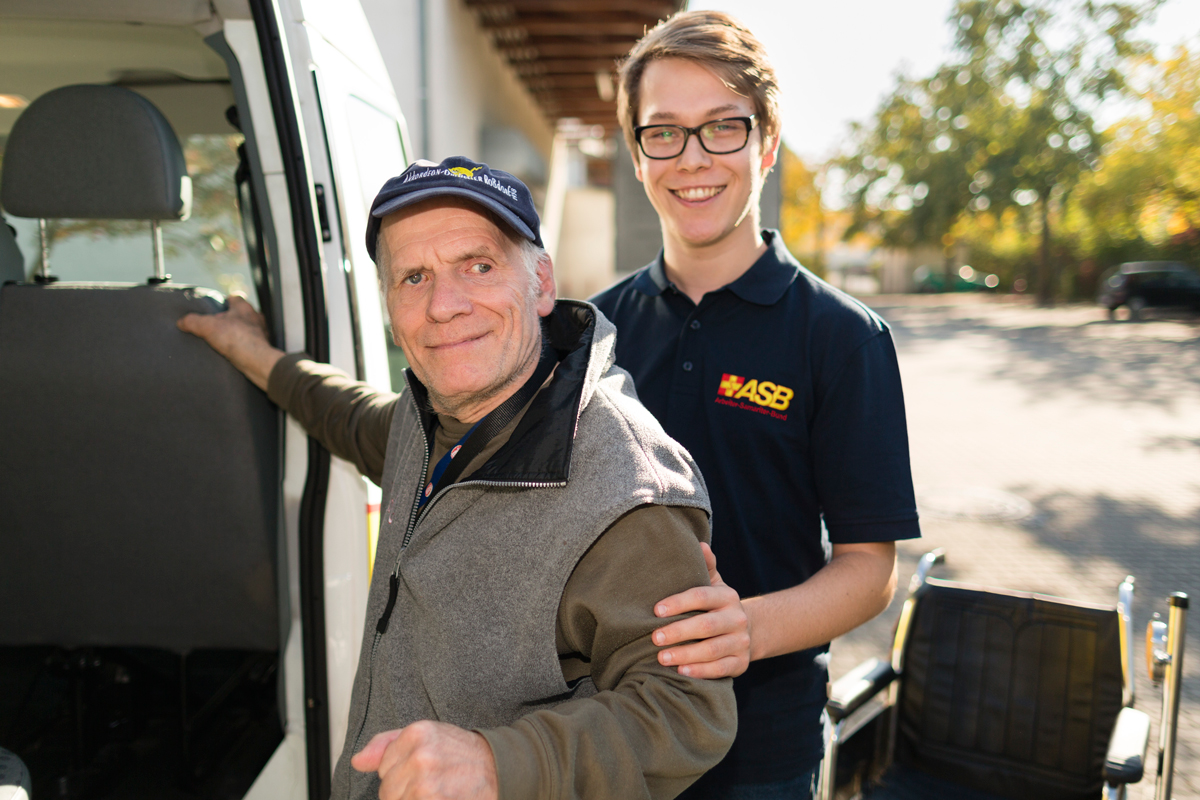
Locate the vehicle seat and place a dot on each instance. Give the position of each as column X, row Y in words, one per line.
column 139, row 471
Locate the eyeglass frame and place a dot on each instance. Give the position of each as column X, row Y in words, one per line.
column 751, row 123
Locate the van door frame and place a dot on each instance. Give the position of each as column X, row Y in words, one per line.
column 284, row 101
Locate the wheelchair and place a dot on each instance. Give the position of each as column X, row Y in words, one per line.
column 993, row 694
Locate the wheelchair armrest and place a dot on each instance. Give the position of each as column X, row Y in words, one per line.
column 1126, row 758
column 857, row 686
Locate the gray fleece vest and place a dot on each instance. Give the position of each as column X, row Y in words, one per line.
column 471, row 638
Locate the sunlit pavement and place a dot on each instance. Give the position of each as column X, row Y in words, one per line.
column 1055, row 451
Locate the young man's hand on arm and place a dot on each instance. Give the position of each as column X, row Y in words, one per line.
column 855, row 586
column 719, row 638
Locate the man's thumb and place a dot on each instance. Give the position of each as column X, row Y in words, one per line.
column 710, row 561
column 369, row 758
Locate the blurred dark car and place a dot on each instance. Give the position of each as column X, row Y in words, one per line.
column 1142, row 285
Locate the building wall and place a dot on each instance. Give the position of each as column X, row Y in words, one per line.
column 394, row 23
column 638, row 236
column 772, row 199
column 474, row 101
column 585, row 259
column 897, row 265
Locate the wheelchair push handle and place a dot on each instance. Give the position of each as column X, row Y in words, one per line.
column 927, row 563
column 1164, row 657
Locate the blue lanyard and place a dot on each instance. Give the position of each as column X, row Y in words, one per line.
column 444, row 462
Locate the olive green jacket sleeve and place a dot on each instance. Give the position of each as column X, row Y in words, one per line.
column 351, row 419
column 648, row 732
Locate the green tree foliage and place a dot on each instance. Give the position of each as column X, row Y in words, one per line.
column 1006, row 124
column 910, row 176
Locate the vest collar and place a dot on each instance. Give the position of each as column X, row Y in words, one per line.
column 539, row 450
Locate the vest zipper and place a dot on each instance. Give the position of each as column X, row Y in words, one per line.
column 415, row 515
column 382, row 624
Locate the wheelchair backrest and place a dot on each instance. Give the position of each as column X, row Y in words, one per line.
column 1010, row 693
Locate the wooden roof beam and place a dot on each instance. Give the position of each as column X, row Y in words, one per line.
column 512, row 31
column 557, row 83
column 521, row 52
column 574, row 66
column 574, row 106
column 639, row 7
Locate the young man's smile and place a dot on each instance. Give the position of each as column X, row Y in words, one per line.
column 695, row 195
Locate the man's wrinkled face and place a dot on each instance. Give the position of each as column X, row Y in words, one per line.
column 464, row 307
column 700, row 197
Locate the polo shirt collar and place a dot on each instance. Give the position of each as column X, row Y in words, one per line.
column 769, row 277
column 764, row 283
column 652, row 281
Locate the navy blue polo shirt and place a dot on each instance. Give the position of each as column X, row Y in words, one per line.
column 787, row 393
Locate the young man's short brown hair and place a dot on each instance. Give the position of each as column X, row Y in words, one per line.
column 719, row 42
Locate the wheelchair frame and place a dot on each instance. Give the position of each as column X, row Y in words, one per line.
column 871, row 692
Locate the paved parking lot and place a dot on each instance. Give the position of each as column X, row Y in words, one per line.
column 1055, row 451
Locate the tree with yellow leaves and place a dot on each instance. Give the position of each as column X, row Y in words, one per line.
column 1144, row 201
column 802, row 215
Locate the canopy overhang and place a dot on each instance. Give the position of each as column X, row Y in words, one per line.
column 566, row 51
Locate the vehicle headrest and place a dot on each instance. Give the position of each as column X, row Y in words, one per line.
column 94, row 152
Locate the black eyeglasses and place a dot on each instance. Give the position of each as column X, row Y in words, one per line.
column 719, row 137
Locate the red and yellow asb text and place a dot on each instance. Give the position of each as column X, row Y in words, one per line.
column 770, row 398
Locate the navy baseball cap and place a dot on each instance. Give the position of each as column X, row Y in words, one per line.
column 494, row 189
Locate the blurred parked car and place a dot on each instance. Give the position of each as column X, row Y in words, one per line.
column 928, row 279
column 1140, row 285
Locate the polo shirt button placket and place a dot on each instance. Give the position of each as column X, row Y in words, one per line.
column 689, row 365
column 690, row 355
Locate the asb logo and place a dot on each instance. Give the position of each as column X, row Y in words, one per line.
column 762, row 393
column 463, row 172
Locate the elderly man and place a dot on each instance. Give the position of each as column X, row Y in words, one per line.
column 535, row 512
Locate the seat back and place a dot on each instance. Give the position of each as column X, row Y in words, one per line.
column 1010, row 693
column 138, row 476
column 138, row 469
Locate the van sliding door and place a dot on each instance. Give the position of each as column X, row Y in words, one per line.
column 285, row 106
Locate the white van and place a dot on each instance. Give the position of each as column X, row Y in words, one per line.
column 183, row 573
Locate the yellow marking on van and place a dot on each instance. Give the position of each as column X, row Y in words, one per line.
column 372, row 537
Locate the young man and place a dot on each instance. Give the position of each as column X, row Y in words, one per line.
column 784, row 390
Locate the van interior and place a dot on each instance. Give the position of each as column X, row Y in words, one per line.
column 140, row 606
